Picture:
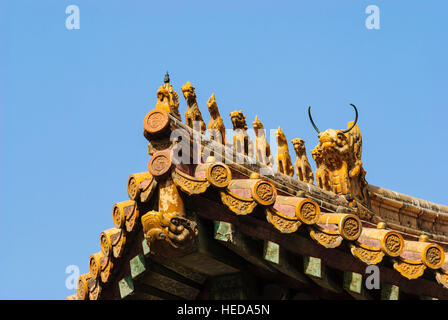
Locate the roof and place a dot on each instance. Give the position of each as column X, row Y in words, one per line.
column 183, row 220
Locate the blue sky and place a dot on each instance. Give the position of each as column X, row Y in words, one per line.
column 72, row 103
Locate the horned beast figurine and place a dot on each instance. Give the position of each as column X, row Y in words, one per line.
column 216, row 125
column 284, row 164
column 193, row 114
column 302, row 166
column 338, row 156
column 262, row 148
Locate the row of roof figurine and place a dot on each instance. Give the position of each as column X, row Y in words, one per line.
column 337, row 156
column 168, row 100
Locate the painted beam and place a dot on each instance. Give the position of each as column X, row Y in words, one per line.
column 169, row 285
column 239, row 286
column 181, row 270
column 158, row 281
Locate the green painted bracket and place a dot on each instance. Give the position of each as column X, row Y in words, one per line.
column 137, row 265
column 353, row 282
column 389, row 292
column 126, row 287
column 271, row 252
column 312, row 266
column 146, row 249
column 223, row 231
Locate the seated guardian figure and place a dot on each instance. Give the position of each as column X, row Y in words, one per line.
column 302, row 166
column 216, row 127
column 284, row 164
column 241, row 141
column 193, row 116
column 262, row 148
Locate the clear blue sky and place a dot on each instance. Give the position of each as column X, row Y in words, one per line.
column 72, row 103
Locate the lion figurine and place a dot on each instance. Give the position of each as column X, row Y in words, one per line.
column 322, row 175
column 193, row 114
column 241, row 142
column 262, row 148
column 284, row 164
column 302, row 166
